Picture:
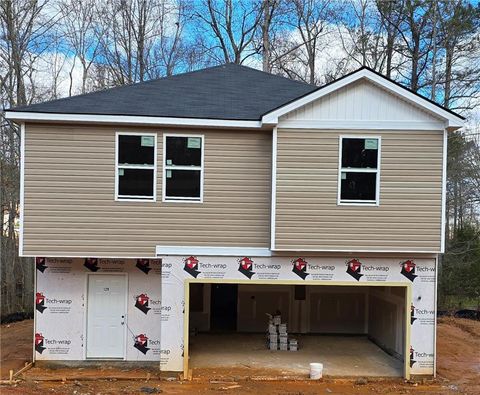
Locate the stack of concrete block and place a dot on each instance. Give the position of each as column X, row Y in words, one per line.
column 272, row 337
column 277, row 336
column 283, row 337
column 293, row 345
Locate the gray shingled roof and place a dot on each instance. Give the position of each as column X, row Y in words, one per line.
column 224, row 92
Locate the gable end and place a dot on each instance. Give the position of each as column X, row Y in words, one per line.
column 363, row 100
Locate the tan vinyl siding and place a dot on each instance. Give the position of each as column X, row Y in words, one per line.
column 407, row 219
column 69, row 195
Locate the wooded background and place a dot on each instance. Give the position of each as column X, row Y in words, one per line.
column 55, row 48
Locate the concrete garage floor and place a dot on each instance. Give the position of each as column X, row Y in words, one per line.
column 340, row 355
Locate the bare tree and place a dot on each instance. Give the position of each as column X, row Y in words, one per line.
column 298, row 54
column 54, row 65
column 234, row 25
column 270, row 10
column 463, row 188
column 357, row 40
column 172, row 48
column 459, row 43
column 23, row 37
column 78, row 22
column 390, row 15
column 367, row 37
column 412, row 19
column 141, row 40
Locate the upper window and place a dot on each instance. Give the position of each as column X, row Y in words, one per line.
column 183, row 168
column 136, row 166
column 359, row 170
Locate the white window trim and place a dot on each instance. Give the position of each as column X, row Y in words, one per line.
column 362, row 203
column 133, row 198
column 177, row 199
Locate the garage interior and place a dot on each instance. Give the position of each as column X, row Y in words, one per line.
column 352, row 330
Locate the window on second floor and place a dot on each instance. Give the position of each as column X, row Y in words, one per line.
column 135, row 166
column 359, row 170
column 183, row 168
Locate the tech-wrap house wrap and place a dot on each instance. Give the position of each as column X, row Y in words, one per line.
column 138, row 201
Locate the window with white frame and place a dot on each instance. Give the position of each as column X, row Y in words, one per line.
column 183, row 168
column 359, row 170
column 136, row 166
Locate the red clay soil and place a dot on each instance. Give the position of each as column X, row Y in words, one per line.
column 458, row 373
column 458, row 347
column 16, row 342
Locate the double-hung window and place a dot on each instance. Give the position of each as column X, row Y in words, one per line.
column 136, row 166
column 359, row 170
column 183, row 168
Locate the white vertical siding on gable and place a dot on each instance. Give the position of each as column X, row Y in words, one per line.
column 361, row 101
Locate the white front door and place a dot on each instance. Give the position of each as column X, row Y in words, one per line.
column 106, row 310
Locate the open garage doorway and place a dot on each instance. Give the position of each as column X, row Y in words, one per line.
column 353, row 330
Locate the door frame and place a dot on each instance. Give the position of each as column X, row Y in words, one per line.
column 85, row 318
column 406, row 318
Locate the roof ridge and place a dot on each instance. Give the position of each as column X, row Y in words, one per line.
column 274, row 75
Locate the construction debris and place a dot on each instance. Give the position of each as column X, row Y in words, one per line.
column 27, row 366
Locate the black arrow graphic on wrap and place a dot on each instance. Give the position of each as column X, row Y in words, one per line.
column 245, row 267
column 300, row 268
column 191, row 266
column 91, row 264
column 143, row 265
column 141, row 343
column 40, row 302
column 39, row 343
column 408, row 270
column 40, row 264
column 412, row 361
column 353, row 268
column 141, row 303
column 412, row 314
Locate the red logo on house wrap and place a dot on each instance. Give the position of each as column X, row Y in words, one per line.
column 191, row 262
column 354, row 264
column 246, row 263
column 409, row 266
column 300, row 263
column 39, row 298
column 141, row 339
column 408, row 269
column 38, row 338
column 142, row 299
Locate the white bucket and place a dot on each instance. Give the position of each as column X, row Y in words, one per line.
column 316, row 371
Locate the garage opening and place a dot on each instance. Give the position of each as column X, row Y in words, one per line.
column 352, row 330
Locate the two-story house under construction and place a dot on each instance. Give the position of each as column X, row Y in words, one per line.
column 170, row 216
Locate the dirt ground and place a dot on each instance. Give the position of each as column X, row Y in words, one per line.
column 16, row 342
column 458, row 366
